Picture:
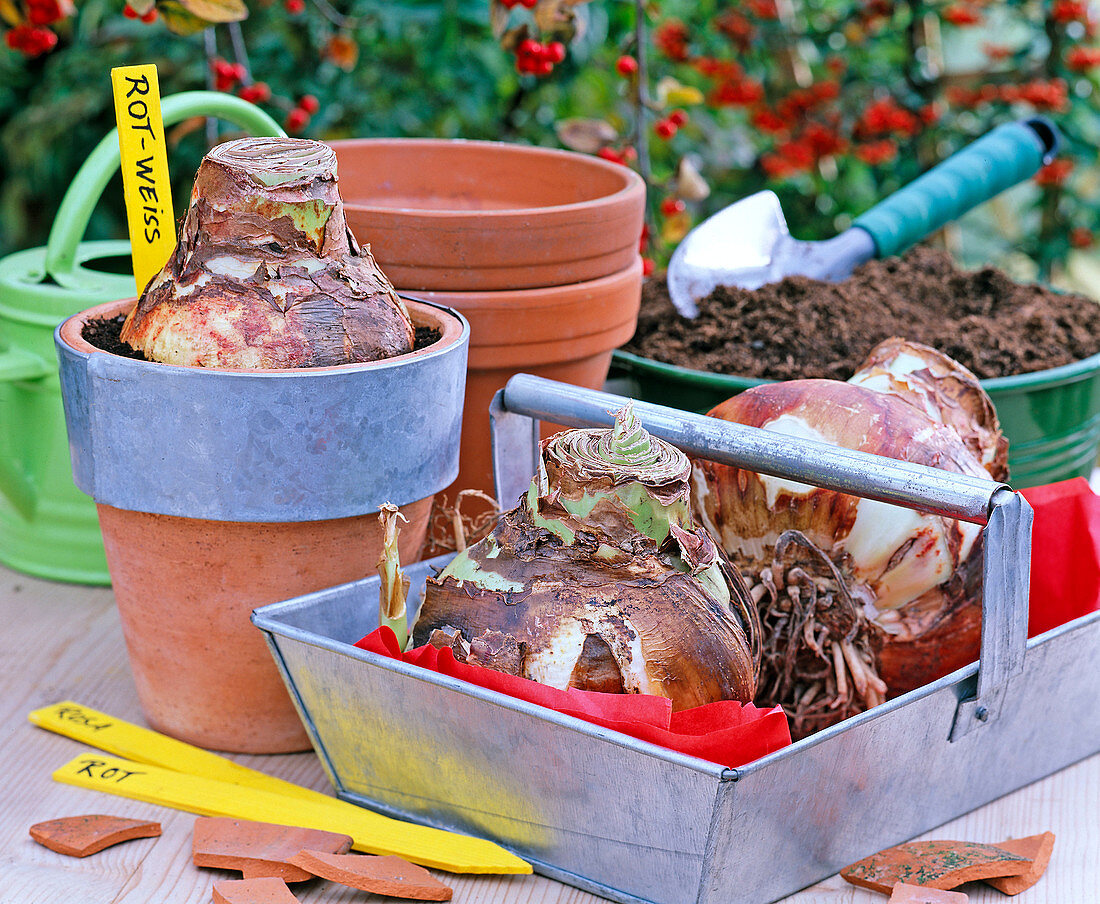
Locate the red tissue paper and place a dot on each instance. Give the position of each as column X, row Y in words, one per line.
column 727, row 733
column 1065, row 554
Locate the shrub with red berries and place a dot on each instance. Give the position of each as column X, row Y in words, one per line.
column 832, row 110
column 831, row 105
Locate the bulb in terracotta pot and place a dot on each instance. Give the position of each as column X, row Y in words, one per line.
column 266, row 273
column 859, row 599
column 601, row 579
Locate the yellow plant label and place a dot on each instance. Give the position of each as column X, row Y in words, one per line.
column 143, row 745
column 372, row 833
column 145, row 181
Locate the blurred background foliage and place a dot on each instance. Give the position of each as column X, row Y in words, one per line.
column 831, row 103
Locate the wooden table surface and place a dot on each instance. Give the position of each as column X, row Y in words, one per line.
column 63, row 642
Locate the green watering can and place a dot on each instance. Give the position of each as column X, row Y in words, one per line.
column 48, row 527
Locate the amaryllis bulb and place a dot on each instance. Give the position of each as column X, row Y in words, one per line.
column 858, row 598
column 944, row 390
column 601, row 579
column 266, row 273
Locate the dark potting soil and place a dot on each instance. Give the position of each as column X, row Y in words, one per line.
column 800, row 327
column 104, row 334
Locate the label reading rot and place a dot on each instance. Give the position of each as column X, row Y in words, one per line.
column 145, row 181
column 103, row 771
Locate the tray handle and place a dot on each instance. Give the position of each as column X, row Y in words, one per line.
column 1005, row 515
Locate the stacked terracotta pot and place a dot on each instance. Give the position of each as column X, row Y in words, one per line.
column 538, row 248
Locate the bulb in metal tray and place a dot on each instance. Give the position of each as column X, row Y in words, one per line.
column 858, row 598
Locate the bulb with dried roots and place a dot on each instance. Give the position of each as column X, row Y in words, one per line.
column 859, row 600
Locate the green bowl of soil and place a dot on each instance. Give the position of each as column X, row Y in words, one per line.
column 1036, row 351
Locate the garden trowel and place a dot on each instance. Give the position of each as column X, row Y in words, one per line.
column 747, row 244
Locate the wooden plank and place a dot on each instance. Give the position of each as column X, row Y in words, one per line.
column 64, row 642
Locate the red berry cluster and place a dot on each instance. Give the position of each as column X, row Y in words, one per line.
column 147, row 17
column 1043, row 95
column 886, row 116
column 294, row 7
column 30, row 40
column 626, row 66
column 508, row 4
column 763, row 9
column 643, row 246
column 227, row 74
column 624, row 156
column 46, row 12
column 1066, row 11
column 1080, row 237
column 1054, row 173
column 738, row 94
column 536, row 58
column 671, row 206
column 671, row 38
column 670, row 125
column 961, row 14
column 736, row 28
column 298, row 118
column 256, row 93
column 878, row 152
column 1081, row 59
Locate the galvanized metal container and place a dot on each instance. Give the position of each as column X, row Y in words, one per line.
column 635, row 822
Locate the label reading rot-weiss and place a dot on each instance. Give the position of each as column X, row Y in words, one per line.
column 145, row 180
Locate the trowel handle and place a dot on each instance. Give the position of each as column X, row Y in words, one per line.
column 92, row 178
column 1004, row 157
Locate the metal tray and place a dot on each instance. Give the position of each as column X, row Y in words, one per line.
column 635, row 822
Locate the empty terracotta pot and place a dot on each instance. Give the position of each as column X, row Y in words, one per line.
column 536, row 247
column 222, row 490
column 462, row 216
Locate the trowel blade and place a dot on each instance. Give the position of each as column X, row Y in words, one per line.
column 735, row 247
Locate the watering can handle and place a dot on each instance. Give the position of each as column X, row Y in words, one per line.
column 92, row 177
column 997, row 161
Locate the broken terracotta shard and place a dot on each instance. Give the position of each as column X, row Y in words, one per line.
column 266, row 273
column 1037, row 849
column 934, row 864
column 253, row 891
column 388, row 875
column 903, row 893
column 259, row 849
column 79, row 836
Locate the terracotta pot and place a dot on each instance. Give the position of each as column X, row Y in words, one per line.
column 219, row 491
column 448, row 215
column 185, row 593
column 537, row 247
column 564, row 333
